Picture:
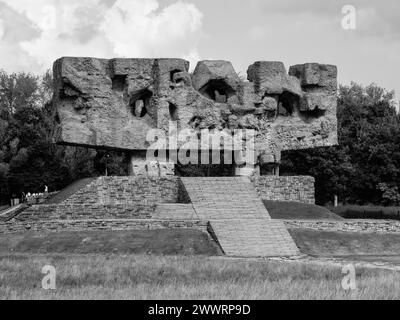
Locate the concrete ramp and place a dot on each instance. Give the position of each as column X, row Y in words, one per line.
column 238, row 218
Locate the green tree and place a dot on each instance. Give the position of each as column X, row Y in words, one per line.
column 368, row 152
column 29, row 159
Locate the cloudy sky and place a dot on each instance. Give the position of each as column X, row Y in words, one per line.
column 33, row 33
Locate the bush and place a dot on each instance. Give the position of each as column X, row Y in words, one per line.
column 367, row 212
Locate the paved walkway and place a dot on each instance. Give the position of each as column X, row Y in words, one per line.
column 338, row 262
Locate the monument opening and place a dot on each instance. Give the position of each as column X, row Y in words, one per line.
column 217, row 90
column 118, row 82
column 173, row 112
column 140, row 102
column 286, row 104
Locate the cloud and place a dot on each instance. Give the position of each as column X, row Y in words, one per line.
column 135, row 29
column 310, row 31
column 35, row 33
column 375, row 19
column 14, row 27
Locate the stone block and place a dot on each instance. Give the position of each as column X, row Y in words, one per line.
column 270, row 77
column 314, row 74
column 113, row 104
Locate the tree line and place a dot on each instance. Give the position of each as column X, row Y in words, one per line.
column 29, row 159
column 363, row 169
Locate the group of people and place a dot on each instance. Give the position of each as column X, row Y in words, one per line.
column 26, row 197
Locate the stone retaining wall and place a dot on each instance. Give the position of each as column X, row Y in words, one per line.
column 92, row 225
column 286, row 188
column 132, row 197
column 89, row 211
column 381, row 226
column 126, row 197
column 131, row 190
column 128, row 190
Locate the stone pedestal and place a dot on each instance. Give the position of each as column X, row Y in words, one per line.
column 140, row 166
column 269, row 164
column 247, row 171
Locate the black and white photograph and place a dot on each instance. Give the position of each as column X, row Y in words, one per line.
column 198, row 156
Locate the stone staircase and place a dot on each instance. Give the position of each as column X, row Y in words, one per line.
column 225, row 198
column 238, row 218
column 254, row 238
column 11, row 213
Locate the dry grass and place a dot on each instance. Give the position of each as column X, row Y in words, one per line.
column 290, row 210
column 156, row 242
column 158, row 277
column 335, row 243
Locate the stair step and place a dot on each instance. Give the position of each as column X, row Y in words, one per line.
column 254, row 238
column 227, row 197
column 174, row 211
column 238, row 217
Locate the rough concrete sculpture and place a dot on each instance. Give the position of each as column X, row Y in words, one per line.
column 114, row 103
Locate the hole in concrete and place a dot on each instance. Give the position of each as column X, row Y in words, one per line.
column 271, row 114
column 313, row 114
column 217, row 90
column 173, row 112
column 286, row 104
column 140, row 102
column 311, row 87
column 69, row 91
column 139, row 109
column 172, row 73
column 57, row 118
column 118, row 82
column 195, row 122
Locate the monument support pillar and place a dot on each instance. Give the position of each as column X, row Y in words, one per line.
column 247, row 171
column 270, row 164
column 139, row 165
column 277, row 167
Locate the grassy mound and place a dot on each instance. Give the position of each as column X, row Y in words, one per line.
column 298, row 211
column 159, row 242
column 69, row 191
column 340, row 244
column 367, row 212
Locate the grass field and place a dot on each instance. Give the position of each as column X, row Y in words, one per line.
column 358, row 246
column 158, row 242
column 187, row 264
column 334, row 244
column 195, row 277
column 367, row 212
